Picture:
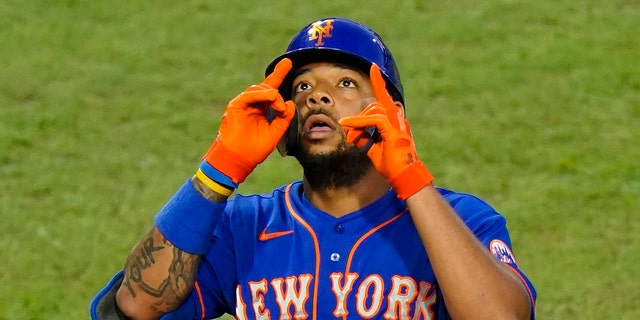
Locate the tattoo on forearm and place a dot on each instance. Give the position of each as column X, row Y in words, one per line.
column 182, row 271
column 142, row 258
column 178, row 280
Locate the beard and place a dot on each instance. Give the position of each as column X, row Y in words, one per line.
column 342, row 167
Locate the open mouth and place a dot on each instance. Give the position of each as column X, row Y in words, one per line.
column 318, row 123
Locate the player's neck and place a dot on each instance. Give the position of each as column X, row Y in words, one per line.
column 341, row 201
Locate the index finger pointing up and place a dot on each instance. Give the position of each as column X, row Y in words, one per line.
column 380, row 87
column 280, row 71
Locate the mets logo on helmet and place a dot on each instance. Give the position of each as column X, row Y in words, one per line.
column 319, row 30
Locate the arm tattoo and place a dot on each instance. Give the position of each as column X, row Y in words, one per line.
column 158, row 269
column 140, row 259
column 179, row 276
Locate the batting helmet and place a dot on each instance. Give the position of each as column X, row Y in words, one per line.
column 344, row 41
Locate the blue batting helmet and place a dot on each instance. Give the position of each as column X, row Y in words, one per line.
column 344, row 41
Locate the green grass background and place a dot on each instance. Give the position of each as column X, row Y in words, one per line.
column 107, row 106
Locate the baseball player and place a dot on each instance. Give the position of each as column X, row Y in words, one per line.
column 364, row 235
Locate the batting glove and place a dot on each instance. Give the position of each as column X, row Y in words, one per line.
column 395, row 155
column 246, row 137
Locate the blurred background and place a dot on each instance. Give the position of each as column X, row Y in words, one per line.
column 107, row 106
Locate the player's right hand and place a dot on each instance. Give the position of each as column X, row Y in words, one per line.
column 246, row 137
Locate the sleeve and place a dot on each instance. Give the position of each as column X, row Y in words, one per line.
column 491, row 229
column 103, row 306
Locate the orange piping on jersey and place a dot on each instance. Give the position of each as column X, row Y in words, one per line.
column 200, row 299
column 366, row 235
column 533, row 302
column 316, row 245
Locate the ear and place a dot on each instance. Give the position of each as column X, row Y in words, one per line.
column 400, row 107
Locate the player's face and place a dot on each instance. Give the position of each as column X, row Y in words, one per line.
column 324, row 93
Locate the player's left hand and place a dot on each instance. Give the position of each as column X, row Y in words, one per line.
column 395, row 155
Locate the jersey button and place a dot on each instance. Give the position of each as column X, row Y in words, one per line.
column 339, row 228
column 335, row 257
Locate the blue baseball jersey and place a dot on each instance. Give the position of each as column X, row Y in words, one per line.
column 276, row 256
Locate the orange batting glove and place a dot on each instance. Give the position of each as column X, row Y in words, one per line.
column 246, row 137
column 395, row 155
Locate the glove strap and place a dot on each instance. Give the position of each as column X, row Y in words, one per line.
column 229, row 163
column 415, row 177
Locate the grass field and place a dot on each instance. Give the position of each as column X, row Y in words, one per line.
column 107, row 106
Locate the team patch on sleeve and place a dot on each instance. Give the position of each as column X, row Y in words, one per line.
column 501, row 251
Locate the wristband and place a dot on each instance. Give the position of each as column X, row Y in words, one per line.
column 213, row 185
column 415, row 177
column 217, row 176
column 188, row 219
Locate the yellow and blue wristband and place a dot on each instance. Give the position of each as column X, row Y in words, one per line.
column 217, row 176
column 212, row 184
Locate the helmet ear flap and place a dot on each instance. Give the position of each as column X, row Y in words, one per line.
column 290, row 143
column 343, row 41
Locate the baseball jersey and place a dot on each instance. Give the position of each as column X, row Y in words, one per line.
column 276, row 256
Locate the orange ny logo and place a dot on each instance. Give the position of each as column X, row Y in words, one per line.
column 319, row 30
